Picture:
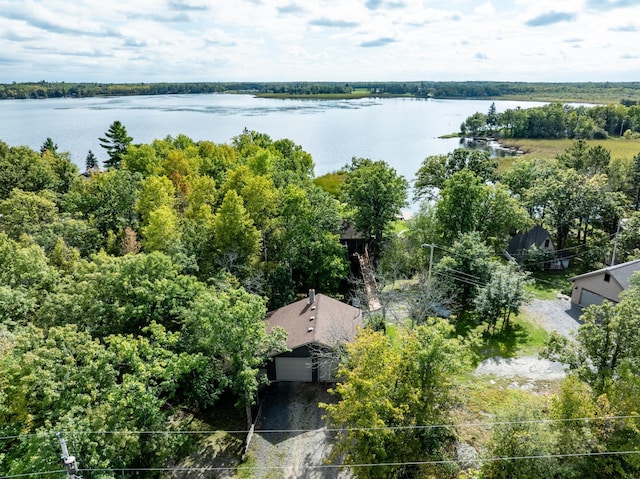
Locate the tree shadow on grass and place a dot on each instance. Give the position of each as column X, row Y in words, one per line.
column 503, row 342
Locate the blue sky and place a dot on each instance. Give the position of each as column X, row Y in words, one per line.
column 323, row 40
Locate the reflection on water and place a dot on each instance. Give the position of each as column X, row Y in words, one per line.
column 263, row 107
column 493, row 146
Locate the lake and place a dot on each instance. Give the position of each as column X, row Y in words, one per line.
column 401, row 131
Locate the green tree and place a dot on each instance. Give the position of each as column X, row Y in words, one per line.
column 376, row 193
column 304, row 239
column 436, row 170
column 49, row 146
column 27, row 213
column 499, row 214
column 107, row 200
column 635, row 177
column 557, row 195
column 91, row 162
column 465, row 268
column 122, row 295
column 26, row 278
column 235, row 238
column 116, row 141
column 228, row 327
column 502, row 296
column 155, row 192
column 143, row 159
column 25, row 169
column 162, row 231
column 519, row 432
column 63, row 379
column 388, row 386
column 458, row 209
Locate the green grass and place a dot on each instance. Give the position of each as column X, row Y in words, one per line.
column 246, row 470
column 549, row 149
column 522, row 338
column 548, row 284
column 331, row 183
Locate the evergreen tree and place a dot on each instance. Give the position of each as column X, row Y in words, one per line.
column 49, row 146
column 116, row 142
column 91, row 162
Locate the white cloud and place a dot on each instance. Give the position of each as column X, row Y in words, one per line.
column 485, row 9
column 159, row 40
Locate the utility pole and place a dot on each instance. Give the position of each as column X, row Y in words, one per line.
column 68, row 461
column 615, row 244
column 424, row 245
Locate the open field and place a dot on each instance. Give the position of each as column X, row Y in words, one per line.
column 548, row 149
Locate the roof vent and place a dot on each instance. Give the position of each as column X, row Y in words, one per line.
column 309, row 330
column 313, row 308
column 312, row 318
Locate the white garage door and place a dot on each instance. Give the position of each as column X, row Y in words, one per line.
column 293, row 369
column 587, row 298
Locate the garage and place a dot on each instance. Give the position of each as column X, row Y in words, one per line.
column 293, row 369
column 587, row 298
column 327, row 370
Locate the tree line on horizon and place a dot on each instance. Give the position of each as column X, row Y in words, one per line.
column 623, row 92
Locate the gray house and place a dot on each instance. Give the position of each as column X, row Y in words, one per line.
column 606, row 283
column 540, row 238
column 315, row 325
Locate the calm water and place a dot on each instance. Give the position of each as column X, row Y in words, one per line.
column 400, row 131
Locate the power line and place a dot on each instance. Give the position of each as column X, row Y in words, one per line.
column 380, row 464
column 29, row 474
column 328, row 466
column 349, row 429
column 332, row 466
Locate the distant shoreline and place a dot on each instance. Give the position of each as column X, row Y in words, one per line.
column 627, row 93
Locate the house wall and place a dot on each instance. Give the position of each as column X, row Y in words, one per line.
column 596, row 284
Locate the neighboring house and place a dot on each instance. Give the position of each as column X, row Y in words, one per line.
column 314, row 325
column 606, row 283
column 352, row 240
column 539, row 237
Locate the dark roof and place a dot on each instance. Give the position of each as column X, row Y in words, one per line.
column 333, row 321
column 523, row 241
column 349, row 232
column 620, row 272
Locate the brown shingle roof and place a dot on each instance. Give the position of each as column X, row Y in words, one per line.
column 333, row 321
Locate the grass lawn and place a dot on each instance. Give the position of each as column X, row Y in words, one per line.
column 548, row 284
column 523, row 337
column 549, row 149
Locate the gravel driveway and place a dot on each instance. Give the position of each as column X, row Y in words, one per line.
column 293, row 407
column 557, row 315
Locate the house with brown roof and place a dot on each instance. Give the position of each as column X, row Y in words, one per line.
column 315, row 326
column 604, row 284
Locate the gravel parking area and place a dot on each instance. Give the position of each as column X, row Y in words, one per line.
column 558, row 315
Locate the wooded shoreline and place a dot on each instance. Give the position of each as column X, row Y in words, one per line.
column 627, row 93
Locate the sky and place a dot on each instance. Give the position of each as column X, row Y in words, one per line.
column 319, row 40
